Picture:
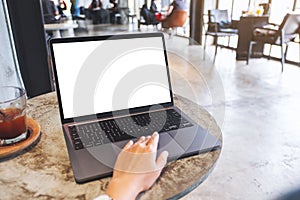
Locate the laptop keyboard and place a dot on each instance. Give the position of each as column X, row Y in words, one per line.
column 114, row 130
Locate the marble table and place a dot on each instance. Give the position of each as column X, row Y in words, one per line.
column 44, row 171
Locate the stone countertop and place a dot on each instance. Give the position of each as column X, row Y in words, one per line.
column 44, row 172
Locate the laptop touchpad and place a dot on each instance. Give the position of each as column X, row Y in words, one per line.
column 167, row 143
column 195, row 139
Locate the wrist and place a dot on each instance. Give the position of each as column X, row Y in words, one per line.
column 120, row 189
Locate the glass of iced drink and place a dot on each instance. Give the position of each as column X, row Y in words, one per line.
column 13, row 126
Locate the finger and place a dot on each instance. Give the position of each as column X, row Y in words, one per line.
column 153, row 141
column 140, row 140
column 128, row 145
column 162, row 159
column 148, row 137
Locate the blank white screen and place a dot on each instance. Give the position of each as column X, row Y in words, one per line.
column 103, row 76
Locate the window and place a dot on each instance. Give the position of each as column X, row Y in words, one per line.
column 279, row 10
column 297, row 6
column 209, row 4
column 238, row 7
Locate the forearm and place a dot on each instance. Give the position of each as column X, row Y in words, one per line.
column 119, row 189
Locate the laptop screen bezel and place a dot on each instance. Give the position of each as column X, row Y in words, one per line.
column 111, row 113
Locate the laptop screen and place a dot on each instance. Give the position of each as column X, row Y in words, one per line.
column 111, row 74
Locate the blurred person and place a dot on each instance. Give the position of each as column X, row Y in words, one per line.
column 176, row 16
column 98, row 14
column 50, row 12
column 75, row 11
column 84, row 8
column 95, row 5
column 61, row 7
column 147, row 15
column 176, row 5
column 153, row 6
column 114, row 11
column 115, row 5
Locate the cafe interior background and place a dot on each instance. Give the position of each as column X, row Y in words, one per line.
column 17, row 26
column 25, row 63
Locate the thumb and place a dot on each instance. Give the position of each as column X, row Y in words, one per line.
column 162, row 159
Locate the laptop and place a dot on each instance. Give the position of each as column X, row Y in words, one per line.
column 116, row 88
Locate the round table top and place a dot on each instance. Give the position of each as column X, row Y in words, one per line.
column 60, row 26
column 44, row 171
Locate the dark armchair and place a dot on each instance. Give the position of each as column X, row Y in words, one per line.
column 147, row 17
column 285, row 33
column 219, row 25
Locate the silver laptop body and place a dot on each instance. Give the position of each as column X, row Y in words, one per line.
column 104, row 81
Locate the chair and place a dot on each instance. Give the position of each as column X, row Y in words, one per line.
column 219, row 25
column 176, row 19
column 286, row 32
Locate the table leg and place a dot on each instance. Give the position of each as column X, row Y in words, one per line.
column 68, row 32
column 56, row 34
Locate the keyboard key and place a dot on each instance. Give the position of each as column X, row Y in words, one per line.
column 103, row 132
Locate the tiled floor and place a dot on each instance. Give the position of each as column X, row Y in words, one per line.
column 258, row 111
column 257, row 108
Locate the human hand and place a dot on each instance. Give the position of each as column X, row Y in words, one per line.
column 136, row 168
